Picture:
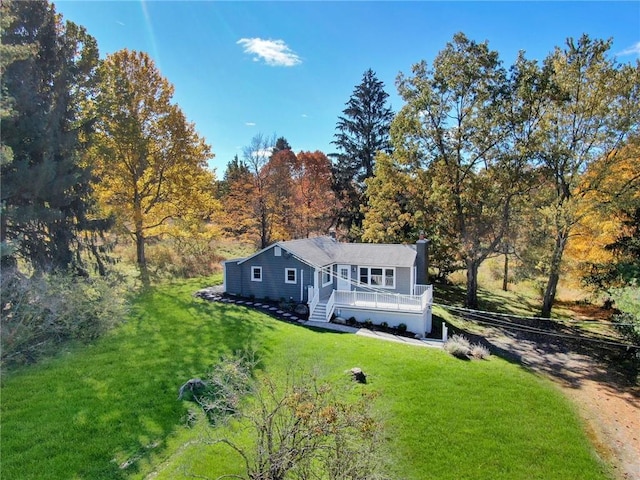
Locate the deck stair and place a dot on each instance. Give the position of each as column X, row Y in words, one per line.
column 319, row 313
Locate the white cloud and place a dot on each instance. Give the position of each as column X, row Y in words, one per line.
column 262, row 153
column 274, row 52
column 250, row 124
column 304, row 115
column 632, row 50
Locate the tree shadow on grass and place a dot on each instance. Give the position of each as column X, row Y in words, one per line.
column 560, row 347
column 569, row 362
column 188, row 345
column 119, row 395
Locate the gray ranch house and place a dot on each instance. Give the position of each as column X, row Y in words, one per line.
column 376, row 282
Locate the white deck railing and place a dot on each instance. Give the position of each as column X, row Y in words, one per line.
column 331, row 305
column 420, row 289
column 379, row 300
column 384, row 301
column 314, row 299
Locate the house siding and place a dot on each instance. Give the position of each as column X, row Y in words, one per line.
column 273, row 283
column 325, row 292
column 233, row 277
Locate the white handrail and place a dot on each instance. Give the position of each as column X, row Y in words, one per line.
column 331, row 305
column 314, row 299
column 387, row 301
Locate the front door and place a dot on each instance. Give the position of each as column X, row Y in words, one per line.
column 344, row 277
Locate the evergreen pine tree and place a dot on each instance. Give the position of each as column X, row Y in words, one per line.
column 362, row 132
column 45, row 188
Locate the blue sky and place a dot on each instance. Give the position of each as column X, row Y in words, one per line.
column 287, row 68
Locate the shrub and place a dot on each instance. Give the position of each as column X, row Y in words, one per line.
column 402, row 328
column 368, row 323
column 41, row 312
column 384, row 325
column 627, row 321
column 183, row 257
column 480, row 351
column 302, row 427
column 351, row 321
column 458, row 346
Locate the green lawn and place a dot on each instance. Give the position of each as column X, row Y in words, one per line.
column 109, row 410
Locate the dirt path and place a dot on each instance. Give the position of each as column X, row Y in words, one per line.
column 607, row 402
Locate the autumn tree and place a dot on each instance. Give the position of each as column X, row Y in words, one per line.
column 362, row 132
column 236, row 196
column 447, row 139
column 593, row 109
column 279, row 177
column 314, row 199
column 149, row 160
column 255, row 157
column 399, row 209
column 48, row 76
column 605, row 243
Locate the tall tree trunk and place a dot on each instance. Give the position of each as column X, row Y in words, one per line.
column 7, row 259
column 472, row 284
column 554, row 273
column 264, row 226
column 141, row 258
column 505, row 277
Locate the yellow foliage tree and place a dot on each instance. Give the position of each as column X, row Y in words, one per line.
column 608, row 193
column 150, row 163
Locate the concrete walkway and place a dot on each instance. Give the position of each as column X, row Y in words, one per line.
column 389, row 337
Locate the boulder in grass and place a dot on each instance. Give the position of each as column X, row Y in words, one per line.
column 194, row 385
column 358, row 375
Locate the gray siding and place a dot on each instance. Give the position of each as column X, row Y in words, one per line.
column 325, row 292
column 273, row 285
column 233, row 278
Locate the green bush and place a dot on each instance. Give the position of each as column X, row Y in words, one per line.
column 627, row 302
column 402, row 328
column 39, row 313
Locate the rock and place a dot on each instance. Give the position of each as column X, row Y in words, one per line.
column 194, row 385
column 301, row 309
column 358, row 375
column 340, row 321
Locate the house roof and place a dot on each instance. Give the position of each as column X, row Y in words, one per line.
column 322, row 251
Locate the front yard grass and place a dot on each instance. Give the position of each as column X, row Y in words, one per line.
column 110, row 410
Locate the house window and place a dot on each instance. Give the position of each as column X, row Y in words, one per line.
column 326, row 276
column 290, row 275
column 256, row 274
column 378, row 277
column 277, row 251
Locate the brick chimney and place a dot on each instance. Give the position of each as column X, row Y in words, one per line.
column 422, row 260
